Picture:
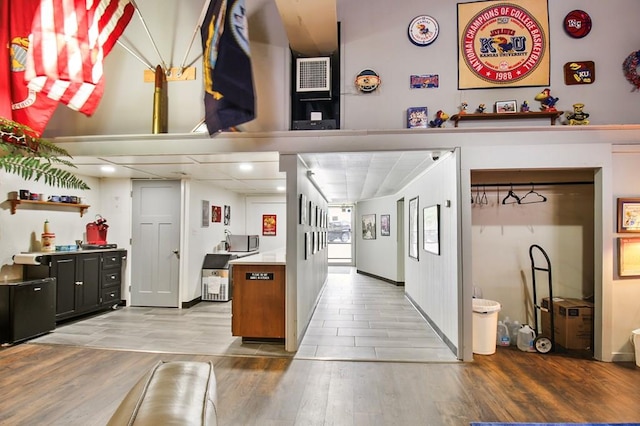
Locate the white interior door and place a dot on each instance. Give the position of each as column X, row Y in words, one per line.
column 156, row 241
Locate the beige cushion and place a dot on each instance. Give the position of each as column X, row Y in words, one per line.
column 172, row 393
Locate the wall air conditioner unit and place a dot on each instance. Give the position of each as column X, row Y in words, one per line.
column 313, row 78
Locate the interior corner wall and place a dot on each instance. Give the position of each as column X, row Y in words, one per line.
column 377, row 256
column 306, row 273
column 432, row 280
column 200, row 238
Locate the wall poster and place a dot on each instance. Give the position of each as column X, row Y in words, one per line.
column 269, row 223
column 503, row 44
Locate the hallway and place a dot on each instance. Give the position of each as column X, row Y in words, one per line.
column 357, row 318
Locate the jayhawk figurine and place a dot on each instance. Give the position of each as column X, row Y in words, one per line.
column 547, row 102
column 441, row 117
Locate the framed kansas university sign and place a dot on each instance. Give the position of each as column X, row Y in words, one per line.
column 503, row 44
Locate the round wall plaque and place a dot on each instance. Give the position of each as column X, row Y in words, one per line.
column 423, row 30
column 577, row 23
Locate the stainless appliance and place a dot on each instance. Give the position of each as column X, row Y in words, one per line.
column 216, row 285
column 243, row 242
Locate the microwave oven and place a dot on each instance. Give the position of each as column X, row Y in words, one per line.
column 243, row 242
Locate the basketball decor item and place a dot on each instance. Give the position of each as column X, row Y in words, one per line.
column 423, row 30
column 367, row 81
column 577, row 23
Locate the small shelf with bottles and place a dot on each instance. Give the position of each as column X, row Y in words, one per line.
column 81, row 207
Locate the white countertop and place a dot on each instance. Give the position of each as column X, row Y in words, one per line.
column 273, row 257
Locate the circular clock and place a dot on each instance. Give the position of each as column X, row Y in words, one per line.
column 423, row 30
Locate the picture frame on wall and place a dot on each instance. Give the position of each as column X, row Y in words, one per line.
column 269, row 224
column 431, row 229
column 385, row 225
column 413, row 228
column 506, row 106
column 216, row 214
column 368, row 226
column 205, row 214
column 628, row 214
column 302, row 209
column 227, row 215
column 629, row 257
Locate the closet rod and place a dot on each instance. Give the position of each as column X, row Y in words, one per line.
column 474, row 185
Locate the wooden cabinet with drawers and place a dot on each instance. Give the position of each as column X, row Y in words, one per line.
column 87, row 280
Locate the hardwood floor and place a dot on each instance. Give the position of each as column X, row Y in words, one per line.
column 45, row 384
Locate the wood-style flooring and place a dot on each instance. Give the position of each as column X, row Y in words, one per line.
column 45, row 384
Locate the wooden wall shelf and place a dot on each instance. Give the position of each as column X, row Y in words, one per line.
column 81, row 207
column 552, row 115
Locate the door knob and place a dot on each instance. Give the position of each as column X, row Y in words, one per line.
column 177, row 253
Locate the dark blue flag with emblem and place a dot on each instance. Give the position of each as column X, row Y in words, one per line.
column 229, row 98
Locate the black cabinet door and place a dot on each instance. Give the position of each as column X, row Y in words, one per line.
column 63, row 268
column 88, row 279
column 33, row 309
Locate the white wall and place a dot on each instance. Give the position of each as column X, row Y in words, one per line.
column 305, row 276
column 372, row 37
column 22, row 231
column 625, row 291
column 256, row 206
column 201, row 240
column 378, row 256
column 433, row 281
column 563, row 226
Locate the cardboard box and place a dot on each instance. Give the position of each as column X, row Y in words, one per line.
column 573, row 322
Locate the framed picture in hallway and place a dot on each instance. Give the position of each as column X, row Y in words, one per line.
column 385, row 225
column 227, row 215
column 368, row 226
column 413, row 228
column 205, row 214
column 628, row 214
column 431, row 229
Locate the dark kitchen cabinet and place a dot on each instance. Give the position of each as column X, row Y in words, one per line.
column 87, row 281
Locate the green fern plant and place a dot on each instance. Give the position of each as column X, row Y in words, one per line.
column 25, row 154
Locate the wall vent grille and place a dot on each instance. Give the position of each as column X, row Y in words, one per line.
column 313, row 74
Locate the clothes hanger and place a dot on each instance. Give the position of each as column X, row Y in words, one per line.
column 534, row 197
column 511, row 197
column 483, row 199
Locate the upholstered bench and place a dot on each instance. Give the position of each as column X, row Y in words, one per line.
column 171, row 393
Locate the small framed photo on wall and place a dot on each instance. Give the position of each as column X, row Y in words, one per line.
column 628, row 214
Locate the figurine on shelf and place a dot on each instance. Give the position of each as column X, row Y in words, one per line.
column 547, row 102
column 481, row 108
column 463, row 108
column 441, row 117
column 578, row 116
column 524, row 107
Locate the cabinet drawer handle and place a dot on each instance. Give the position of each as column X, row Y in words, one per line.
column 79, row 283
column 113, row 277
column 37, row 288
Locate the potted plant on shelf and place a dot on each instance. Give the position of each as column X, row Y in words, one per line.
column 24, row 153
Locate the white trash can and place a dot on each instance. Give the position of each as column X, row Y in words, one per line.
column 485, row 326
column 635, row 342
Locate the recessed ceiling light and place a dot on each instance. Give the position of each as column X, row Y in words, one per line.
column 108, row 169
column 246, row 167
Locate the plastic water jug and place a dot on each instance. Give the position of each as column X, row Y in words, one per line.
column 526, row 335
column 502, row 335
column 513, row 332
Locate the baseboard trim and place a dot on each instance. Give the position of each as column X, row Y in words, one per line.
column 398, row 283
column 191, row 303
column 433, row 325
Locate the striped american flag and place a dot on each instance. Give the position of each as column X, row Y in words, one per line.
column 70, row 39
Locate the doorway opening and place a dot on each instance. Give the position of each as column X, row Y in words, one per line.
column 340, row 235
